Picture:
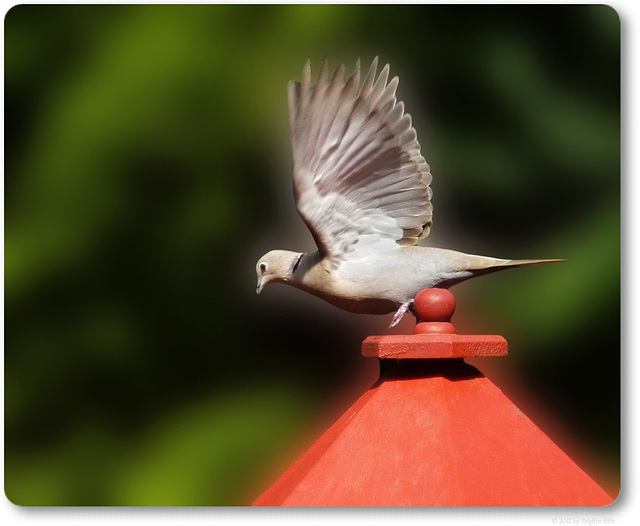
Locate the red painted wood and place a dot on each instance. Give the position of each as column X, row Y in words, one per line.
column 451, row 439
column 434, row 305
column 416, row 346
column 433, row 431
column 434, row 327
column 434, row 308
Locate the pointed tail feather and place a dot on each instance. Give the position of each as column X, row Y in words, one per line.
column 484, row 265
column 465, row 266
column 523, row 262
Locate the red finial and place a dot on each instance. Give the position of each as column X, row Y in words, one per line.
column 434, row 308
column 433, row 336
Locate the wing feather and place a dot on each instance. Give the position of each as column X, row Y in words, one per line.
column 358, row 171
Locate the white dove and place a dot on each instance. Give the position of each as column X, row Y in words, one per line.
column 362, row 188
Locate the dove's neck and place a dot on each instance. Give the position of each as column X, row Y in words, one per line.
column 308, row 272
column 307, row 262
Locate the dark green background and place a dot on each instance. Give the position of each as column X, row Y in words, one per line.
column 147, row 166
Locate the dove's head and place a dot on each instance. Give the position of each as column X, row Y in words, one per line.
column 277, row 265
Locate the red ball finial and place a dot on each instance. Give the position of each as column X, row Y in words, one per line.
column 434, row 308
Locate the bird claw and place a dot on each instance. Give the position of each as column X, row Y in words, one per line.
column 399, row 314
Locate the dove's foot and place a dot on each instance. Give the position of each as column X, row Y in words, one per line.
column 399, row 314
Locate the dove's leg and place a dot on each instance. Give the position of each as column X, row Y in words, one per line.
column 399, row 314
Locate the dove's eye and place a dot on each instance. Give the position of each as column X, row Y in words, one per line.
column 263, row 267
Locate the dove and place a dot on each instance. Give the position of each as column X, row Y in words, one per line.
column 362, row 188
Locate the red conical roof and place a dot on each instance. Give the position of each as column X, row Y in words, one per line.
column 433, row 431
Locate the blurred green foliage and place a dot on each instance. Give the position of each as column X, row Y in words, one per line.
column 147, row 168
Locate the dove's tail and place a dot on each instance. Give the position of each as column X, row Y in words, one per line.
column 481, row 265
column 507, row 263
column 458, row 266
column 484, row 265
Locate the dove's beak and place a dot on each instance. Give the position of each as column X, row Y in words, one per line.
column 260, row 285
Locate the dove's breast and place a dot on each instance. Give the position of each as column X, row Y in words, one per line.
column 379, row 282
column 353, row 295
column 371, row 284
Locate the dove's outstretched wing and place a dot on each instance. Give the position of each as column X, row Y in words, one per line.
column 358, row 173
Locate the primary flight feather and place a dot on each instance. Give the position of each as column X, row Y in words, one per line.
column 361, row 186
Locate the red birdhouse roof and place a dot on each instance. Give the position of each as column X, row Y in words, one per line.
column 433, row 431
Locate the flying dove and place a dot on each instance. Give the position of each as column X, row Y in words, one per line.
column 362, row 188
